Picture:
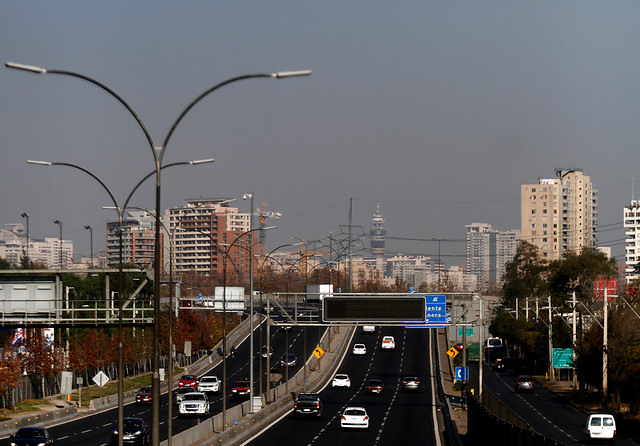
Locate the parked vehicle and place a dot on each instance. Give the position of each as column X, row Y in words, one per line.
column 599, row 427
column 307, row 404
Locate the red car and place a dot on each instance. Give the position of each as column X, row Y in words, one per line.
column 188, row 381
column 143, row 396
column 375, row 386
column 241, row 390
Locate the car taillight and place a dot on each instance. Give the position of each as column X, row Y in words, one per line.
column 295, row 404
column 318, row 404
column 343, row 417
column 365, row 418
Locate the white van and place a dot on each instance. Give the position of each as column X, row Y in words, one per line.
column 369, row 329
column 600, row 427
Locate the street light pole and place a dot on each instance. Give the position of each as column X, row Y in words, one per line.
column 25, row 215
column 90, row 229
column 158, row 155
column 251, row 347
column 59, row 223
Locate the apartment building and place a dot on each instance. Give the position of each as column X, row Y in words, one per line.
column 138, row 239
column 559, row 214
column 632, row 239
column 488, row 252
column 50, row 251
column 199, row 234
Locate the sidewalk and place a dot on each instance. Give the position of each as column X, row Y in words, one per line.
column 458, row 415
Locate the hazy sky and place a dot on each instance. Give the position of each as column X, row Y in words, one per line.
column 439, row 110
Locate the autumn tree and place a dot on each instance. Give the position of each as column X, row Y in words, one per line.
column 9, row 373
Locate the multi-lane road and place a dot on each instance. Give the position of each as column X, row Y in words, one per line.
column 95, row 429
column 396, row 417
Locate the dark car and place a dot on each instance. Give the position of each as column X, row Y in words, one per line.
column 375, row 386
column 525, row 383
column 188, row 381
column 288, row 360
column 241, row 390
column 135, row 430
column 143, row 396
column 267, row 352
column 180, row 393
column 32, row 436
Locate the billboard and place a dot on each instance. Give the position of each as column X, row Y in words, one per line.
column 602, row 284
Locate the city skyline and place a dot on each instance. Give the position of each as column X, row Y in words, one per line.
column 437, row 111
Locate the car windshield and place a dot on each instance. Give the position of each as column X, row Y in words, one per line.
column 355, row 412
column 194, row 397
column 132, row 423
column 342, row 377
column 242, row 384
column 30, row 432
column 185, row 390
column 607, row 421
column 207, row 379
column 188, row 378
column 307, row 397
column 145, row 390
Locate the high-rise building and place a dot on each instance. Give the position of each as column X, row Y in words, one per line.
column 488, row 251
column 559, row 214
column 378, row 233
column 200, row 232
column 138, row 239
column 481, row 253
column 632, row 238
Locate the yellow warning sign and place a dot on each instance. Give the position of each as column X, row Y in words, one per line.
column 318, row 352
column 452, row 352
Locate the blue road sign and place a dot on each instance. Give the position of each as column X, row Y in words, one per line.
column 462, row 373
column 436, row 309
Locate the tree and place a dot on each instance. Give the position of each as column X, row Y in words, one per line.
column 9, row 373
column 4, row 264
column 524, row 276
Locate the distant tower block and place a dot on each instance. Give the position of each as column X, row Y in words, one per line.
column 378, row 233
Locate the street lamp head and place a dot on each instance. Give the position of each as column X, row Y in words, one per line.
column 41, row 163
column 58, row 222
column 87, row 227
column 204, row 161
column 291, row 74
column 24, row 215
column 31, row 68
column 245, row 196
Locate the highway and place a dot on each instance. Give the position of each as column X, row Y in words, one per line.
column 95, row 429
column 396, row 417
column 545, row 412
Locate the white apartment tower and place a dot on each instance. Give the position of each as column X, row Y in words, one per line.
column 632, row 238
column 559, row 214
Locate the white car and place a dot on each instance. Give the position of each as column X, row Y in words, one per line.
column 388, row 343
column 354, row 417
column 195, row 403
column 209, row 384
column 600, row 427
column 341, row 380
column 359, row 349
column 368, row 328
